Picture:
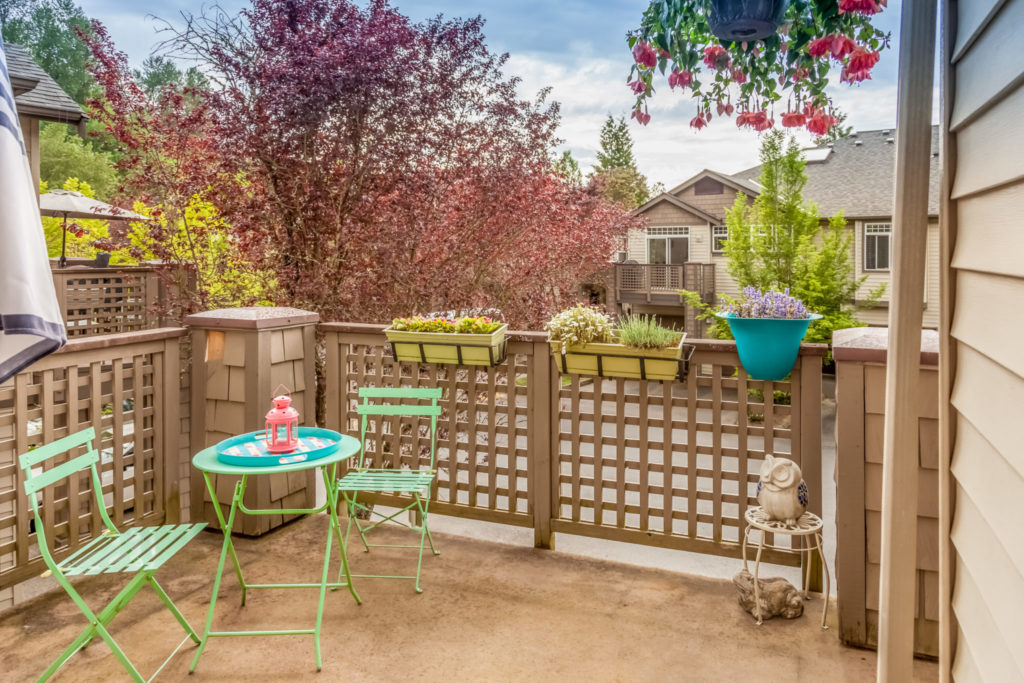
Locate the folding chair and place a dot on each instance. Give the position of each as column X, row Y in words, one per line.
column 139, row 550
column 395, row 480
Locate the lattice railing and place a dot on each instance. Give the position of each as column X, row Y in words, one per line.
column 593, row 457
column 107, row 300
column 127, row 388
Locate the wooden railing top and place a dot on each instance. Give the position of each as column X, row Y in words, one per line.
column 871, row 345
column 722, row 345
column 110, row 270
column 122, row 339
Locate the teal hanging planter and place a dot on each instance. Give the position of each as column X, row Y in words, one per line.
column 768, row 347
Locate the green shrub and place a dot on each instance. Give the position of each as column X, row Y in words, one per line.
column 644, row 332
column 464, row 325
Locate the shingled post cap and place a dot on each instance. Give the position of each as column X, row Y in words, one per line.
column 252, row 318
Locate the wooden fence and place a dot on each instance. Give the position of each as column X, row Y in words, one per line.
column 99, row 301
column 669, row 464
column 127, row 387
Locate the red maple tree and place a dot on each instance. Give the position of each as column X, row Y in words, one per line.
column 381, row 167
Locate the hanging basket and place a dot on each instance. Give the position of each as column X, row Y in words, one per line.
column 448, row 347
column 746, row 20
column 768, row 347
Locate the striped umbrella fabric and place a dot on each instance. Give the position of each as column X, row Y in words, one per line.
column 31, row 324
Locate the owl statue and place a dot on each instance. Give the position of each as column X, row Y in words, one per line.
column 781, row 490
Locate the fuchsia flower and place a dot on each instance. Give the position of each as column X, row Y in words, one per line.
column 819, row 47
column 842, row 46
column 739, row 76
column 859, row 67
column 865, row 7
column 698, row 122
column 638, row 87
column 793, row 119
column 800, row 74
column 643, row 118
column 680, row 78
column 818, row 121
column 716, row 57
column 644, row 55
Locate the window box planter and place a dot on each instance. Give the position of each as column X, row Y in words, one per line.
column 768, row 347
column 618, row 360
column 448, row 347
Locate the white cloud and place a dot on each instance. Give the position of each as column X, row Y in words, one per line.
column 668, row 150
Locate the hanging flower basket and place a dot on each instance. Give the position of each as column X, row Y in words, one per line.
column 768, row 328
column 746, row 19
column 461, row 341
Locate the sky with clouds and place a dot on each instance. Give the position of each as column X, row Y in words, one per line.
column 578, row 48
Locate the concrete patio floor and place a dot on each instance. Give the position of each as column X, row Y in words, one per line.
column 489, row 612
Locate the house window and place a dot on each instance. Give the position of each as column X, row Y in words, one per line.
column 668, row 245
column 719, row 234
column 877, row 246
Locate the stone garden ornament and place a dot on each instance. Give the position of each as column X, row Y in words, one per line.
column 782, row 491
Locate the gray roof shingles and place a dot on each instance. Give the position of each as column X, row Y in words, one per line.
column 859, row 179
column 46, row 100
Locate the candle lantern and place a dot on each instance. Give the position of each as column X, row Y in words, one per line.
column 282, row 427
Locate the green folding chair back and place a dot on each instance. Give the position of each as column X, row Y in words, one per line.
column 395, row 480
column 138, row 550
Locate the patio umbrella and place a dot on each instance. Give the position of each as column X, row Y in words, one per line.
column 31, row 324
column 70, row 204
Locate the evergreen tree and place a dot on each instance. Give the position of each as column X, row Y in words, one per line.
column 616, row 169
column 48, row 29
column 567, row 167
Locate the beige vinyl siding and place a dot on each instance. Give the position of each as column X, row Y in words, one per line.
column 986, row 337
column 880, row 316
column 666, row 214
column 636, row 246
column 700, row 242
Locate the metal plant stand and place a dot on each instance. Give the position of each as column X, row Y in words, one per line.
column 207, row 462
column 808, row 530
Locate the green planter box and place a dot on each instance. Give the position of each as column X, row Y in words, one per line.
column 617, row 360
column 447, row 347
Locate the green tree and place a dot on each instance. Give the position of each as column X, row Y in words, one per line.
column 63, row 155
column 779, row 242
column 567, row 167
column 158, row 72
column 616, row 169
column 49, row 30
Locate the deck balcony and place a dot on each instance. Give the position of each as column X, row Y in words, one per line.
column 647, row 472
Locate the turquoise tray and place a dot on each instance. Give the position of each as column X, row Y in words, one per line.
column 250, row 450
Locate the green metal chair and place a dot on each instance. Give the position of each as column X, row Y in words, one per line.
column 394, row 480
column 139, row 550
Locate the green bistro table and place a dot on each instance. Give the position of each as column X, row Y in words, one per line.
column 207, row 462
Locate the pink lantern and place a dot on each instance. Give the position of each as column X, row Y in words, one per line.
column 282, row 428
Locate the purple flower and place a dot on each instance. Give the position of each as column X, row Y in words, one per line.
column 771, row 304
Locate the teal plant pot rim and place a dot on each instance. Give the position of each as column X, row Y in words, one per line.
column 733, row 316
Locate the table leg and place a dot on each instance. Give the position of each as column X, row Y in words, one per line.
column 828, row 587
column 226, row 547
column 757, row 583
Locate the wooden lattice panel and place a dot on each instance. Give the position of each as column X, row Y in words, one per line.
column 482, row 444
column 120, row 393
column 684, row 482
column 106, row 301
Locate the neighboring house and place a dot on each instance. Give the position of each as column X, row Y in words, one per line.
column 37, row 97
column 686, row 225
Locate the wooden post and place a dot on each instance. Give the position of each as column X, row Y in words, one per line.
column 543, row 432
column 171, row 397
column 240, row 355
column 810, row 448
column 897, row 589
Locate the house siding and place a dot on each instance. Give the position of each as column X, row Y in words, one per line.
column 982, row 336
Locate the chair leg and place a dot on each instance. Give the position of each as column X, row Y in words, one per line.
column 172, row 607
column 97, row 625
